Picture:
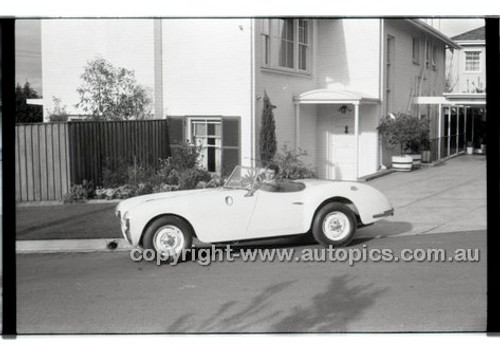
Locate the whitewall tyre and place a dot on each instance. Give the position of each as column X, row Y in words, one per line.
column 168, row 234
column 334, row 225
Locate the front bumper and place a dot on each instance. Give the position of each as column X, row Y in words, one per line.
column 125, row 227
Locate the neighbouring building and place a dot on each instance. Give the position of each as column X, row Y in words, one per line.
column 467, row 68
column 463, row 105
column 331, row 80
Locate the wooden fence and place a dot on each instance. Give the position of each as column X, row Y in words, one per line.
column 42, row 161
column 50, row 157
column 94, row 144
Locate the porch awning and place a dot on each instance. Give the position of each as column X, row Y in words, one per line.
column 334, row 96
column 466, row 99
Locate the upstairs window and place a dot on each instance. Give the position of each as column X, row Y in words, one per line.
column 434, row 57
column 416, row 51
column 472, row 61
column 287, row 54
column 303, row 44
column 428, row 54
column 265, row 39
column 286, row 44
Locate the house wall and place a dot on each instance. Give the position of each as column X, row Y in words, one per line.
column 466, row 82
column 412, row 79
column 67, row 46
column 407, row 73
column 207, row 71
column 349, row 55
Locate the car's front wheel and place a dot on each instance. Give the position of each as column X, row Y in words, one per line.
column 335, row 224
column 168, row 234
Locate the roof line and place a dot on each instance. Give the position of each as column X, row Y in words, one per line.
column 433, row 31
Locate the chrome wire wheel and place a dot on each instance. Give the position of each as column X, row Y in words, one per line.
column 170, row 239
column 336, row 226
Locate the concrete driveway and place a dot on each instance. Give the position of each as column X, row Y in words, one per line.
column 450, row 197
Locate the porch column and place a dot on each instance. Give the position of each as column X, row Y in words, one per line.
column 465, row 128
column 458, row 123
column 356, row 134
column 440, row 132
column 473, row 117
column 297, row 126
column 449, row 131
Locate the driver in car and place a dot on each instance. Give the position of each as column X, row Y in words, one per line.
column 270, row 181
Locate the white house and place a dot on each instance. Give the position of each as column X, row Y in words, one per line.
column 330, row 79
column 467, row 70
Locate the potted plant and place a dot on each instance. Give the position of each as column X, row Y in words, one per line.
column 426, row 153
column 470, row 148
column 483, row 145
column 401, row 131
column 420, row 142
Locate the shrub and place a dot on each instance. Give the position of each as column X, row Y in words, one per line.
column 185, row 156
column 122, row 179
column 80, row 193
column 114, row 172
column 189, row 178
column 291, row 167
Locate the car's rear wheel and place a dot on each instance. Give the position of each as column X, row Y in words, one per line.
column 335, row 224
column 168, row 234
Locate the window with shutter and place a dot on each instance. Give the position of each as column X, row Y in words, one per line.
column 231, row 144
column 219, row 139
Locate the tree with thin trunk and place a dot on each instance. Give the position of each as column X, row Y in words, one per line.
column 112, row 93
column 267, row 132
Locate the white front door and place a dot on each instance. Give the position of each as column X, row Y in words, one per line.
column 342, row 148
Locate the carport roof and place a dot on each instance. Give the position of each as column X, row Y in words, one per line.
column 334, row 96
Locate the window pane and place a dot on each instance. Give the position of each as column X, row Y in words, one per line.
column 211, row 129
column 200, row 129
column 303, row 31
column 265, row 49
column 472, row 61
column 287, row 43
column 289, row 30
column 416, row 50
column 211, row 159
column 303, row 57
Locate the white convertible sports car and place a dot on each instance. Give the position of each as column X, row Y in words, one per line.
column 243, row 209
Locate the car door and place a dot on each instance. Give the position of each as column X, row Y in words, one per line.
column 224, row 215
column 277, row 213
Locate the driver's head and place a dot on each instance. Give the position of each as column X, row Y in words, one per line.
column 272, row 172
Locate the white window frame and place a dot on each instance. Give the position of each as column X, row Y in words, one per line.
column 479, row 68
column 270, row 32
column 218, row 147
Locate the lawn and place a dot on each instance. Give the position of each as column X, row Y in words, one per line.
column 68, row 221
